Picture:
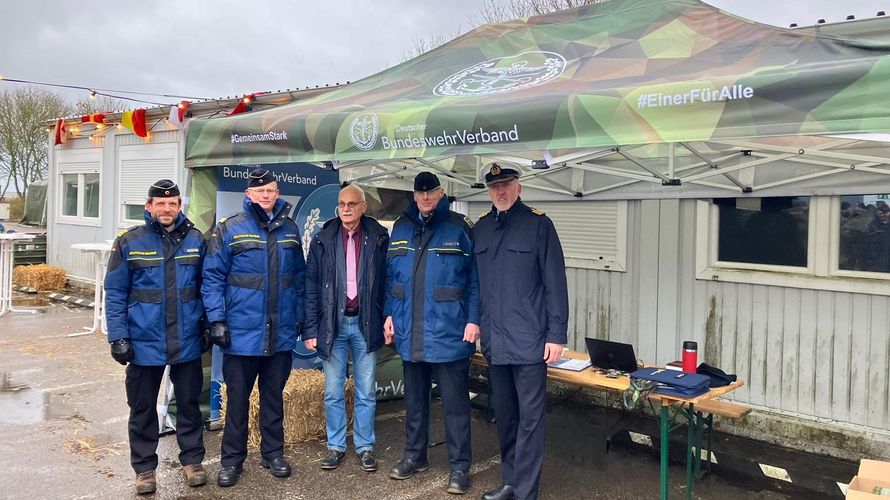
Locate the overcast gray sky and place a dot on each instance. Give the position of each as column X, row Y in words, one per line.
column 217, row 48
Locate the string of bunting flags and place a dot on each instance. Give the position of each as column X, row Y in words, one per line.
column 135, row 120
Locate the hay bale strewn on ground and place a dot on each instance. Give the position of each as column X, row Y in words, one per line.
column 42, row 277
column 304, row 418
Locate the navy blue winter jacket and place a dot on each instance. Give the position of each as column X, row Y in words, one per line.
column 431, row 283
column 323, row 291
column 253, row 280
column 522, row 277
column 151, row 292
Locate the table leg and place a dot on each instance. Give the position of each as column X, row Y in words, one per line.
column 690, row 449
column 6, row 262
column 665, row 429
column 97, row 303
column 5, row 281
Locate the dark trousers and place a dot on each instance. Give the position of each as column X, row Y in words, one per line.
column 143, row 384
column 519, row 397
column 452, row 380
column 240, row 374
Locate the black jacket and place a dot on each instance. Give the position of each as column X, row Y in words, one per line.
column 322, row 284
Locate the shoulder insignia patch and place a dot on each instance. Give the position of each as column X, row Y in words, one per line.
column 468, row 221
column 483, row 214
column 228, row 217
column 125, row 231
column 537, row 211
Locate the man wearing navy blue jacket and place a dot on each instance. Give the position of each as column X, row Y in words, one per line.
column 253, row 293
column 525, row 309
column 432, row 315
column 345, row 282
column 153, row 311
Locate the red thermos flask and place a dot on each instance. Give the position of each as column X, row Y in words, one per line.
column 690, row 356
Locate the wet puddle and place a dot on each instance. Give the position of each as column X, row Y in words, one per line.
column 21, row 405
column 27, row 301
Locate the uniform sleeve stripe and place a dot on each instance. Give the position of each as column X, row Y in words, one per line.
column 247, row 241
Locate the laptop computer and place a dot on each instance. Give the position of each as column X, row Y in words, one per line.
column 611, row 355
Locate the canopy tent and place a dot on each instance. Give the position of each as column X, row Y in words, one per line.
column 639, row 93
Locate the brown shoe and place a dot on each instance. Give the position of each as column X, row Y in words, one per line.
column 146, row 483
column 195, row 474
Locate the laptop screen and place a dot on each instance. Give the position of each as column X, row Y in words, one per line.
column 611, row 355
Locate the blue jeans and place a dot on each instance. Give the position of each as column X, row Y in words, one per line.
column 364, row 368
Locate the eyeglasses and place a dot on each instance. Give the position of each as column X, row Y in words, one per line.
column 263, row 191
column 427, row 194
column 350, row 204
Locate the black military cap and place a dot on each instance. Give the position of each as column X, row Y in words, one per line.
column 164, row 188
column 259, row 177
column 425, row 181
column 496, row 172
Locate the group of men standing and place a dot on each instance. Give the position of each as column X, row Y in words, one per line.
column 433, row 287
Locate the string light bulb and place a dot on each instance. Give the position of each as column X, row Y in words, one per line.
column 93, row 95
column 247, row 99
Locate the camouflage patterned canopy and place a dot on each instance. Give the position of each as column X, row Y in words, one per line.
column 617, row 72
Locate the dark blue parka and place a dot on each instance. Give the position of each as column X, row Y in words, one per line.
column 522, row 279
column 151, row 292
column 431, row 283
column 323, row 277
column 253, row 280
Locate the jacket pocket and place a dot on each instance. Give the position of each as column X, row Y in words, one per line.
column 145, row 296
column 519, row 248
column 240, row 246
column 449, row 251
column 396, row 252
column 398, row 291
column 142, row 263
column 188, row 294
column 447, row 293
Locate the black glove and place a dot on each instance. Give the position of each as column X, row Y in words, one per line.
column 122, row 351
column 219, row 334
column 205, row 339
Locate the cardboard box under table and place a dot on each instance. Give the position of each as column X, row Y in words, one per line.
column 872, row 482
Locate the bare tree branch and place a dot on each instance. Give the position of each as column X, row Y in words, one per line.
column 495, row 11
column 23, row 135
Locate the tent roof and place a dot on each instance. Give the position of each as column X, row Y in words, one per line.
column 617, row 72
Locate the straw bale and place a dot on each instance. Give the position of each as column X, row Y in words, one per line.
column 42, row 277
column 304, row 418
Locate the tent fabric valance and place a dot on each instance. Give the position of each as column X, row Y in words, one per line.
column 617, row 72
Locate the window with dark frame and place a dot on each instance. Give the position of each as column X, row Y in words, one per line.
column 864, row 233
column 768, row 231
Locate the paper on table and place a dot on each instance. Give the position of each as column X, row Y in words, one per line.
column 575, row 365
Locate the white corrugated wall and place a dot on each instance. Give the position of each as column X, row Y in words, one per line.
column 816, row 354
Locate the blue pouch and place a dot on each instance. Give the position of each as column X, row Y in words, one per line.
column 674, row 383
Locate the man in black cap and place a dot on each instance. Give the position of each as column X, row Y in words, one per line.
column 253, row 292
column 432, row 315
column 524, row 323
column 153, row 311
